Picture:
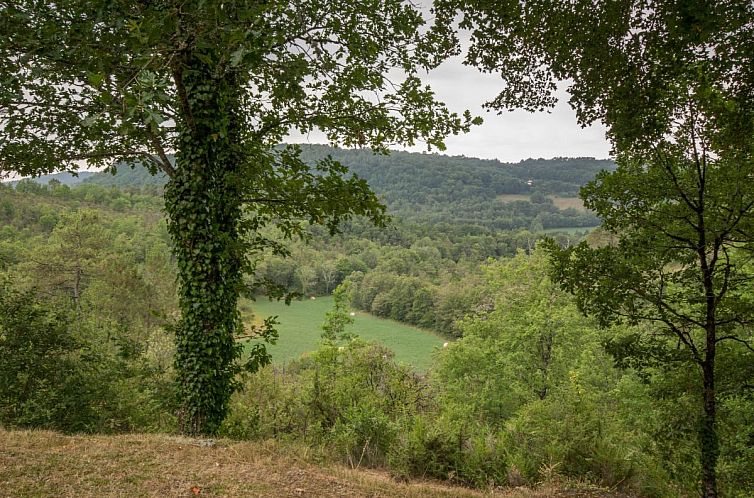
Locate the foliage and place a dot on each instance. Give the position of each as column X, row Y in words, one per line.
column 41, row 378
column 672, row 81
column 681, row 262
column 347, row 398
column 219, row 83
column 337, row 319
column 87, row 295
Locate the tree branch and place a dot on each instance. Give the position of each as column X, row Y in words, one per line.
column 164, row 163
column 736, row 339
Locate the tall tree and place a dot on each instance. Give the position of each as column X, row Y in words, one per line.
column 218, row 83
column 674, row 83
column 682, row 261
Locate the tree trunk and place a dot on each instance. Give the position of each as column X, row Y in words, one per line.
column 203, row 203
column 707, row 431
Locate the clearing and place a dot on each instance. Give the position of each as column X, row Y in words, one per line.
column 560, row 202
column 301, row 322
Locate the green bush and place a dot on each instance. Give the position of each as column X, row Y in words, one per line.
column 349, row 399
column 65, row 373
column 736, row 465
column 442, row 448
column 43, row 373
column 583, row 433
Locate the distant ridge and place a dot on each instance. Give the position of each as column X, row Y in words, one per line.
column 126, row 176
column 433, row 188
column 558, row 176
column 65, row 178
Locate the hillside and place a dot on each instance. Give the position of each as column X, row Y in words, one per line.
column 64, row 178
column 300, row 330
column 435, row 188
column 41, row 463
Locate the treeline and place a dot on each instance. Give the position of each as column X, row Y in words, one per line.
column 87, row 297
column 112, row 197
column 423, row 277
column 433, row 188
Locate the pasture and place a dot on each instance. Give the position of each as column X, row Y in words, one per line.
column 300, row 329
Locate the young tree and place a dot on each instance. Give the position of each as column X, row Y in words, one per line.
column 70, row 258
column 220, row 84
column 673, row 82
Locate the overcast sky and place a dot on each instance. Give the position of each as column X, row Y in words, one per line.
column 510, row 136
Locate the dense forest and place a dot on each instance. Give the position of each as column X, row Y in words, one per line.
column 434, row 188
column 582, row 326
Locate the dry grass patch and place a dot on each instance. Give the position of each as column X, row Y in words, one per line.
column 43, row 464
column 568, row 202
column 513, row 197
column 559, row 202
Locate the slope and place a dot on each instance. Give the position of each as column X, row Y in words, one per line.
column 41, row 463
column 435, row 188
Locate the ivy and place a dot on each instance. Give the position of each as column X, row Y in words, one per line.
column 220, row 84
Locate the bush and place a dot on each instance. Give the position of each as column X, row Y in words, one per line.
column 63, row 373
column 736, row 465
column 348, row 399
column 445, row 449
column 581, row 432
column 42, row 374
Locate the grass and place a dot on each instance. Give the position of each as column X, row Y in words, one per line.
column 300, row 331
column 41, row 464
column 569, row 230
column 560, row 202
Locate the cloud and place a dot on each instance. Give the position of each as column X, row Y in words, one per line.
column 509, row 136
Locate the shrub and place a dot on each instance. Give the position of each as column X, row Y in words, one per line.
column 64, row 373
column 348, row 399
column 443, row 448
column 42, row 374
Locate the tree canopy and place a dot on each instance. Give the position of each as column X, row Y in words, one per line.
column 218, row 83
column 673, row 82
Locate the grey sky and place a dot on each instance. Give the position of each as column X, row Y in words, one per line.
column 511, row 136
column 515, row 135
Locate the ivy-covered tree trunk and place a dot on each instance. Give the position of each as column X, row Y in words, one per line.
column 204, row 208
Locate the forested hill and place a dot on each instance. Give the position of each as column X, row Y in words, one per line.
column 434, row 188
column 64, row 178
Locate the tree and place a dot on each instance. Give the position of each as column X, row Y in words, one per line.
column 673, row 82
column 682, row 260
column 306, row 276
column 338, row 318
column 70, row 258
column 523, row 346
column 329, row 273
column 220, row 84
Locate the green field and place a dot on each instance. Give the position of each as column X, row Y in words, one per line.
column 300, row 331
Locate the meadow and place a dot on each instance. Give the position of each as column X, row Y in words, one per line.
column 300, row 329
column 559, row 202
